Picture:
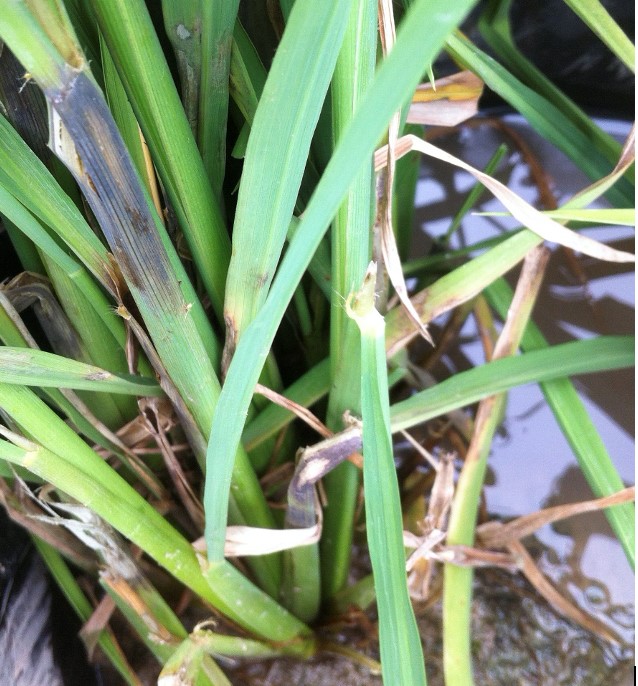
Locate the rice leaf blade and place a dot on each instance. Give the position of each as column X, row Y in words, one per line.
column 276, row 154
column 552, row 362
column 494, row 25
column 594, row 14
column 58, row 455
column 136, row 51
column 24, row 366
column 351, row 249
column 394, row 82
column 543, row 116
column 399, row 640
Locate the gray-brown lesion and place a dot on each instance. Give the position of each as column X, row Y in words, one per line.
column 313, row 464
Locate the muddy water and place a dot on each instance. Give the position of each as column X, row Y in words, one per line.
column 531, row 464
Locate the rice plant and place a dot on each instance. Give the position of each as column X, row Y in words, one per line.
column 211, row 203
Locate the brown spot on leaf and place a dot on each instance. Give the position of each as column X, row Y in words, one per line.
column 90, row 184
column 230, row 343
column 98, row 376
column 262, row 279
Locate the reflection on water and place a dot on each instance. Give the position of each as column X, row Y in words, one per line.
column 531, row 464
column 518, row 640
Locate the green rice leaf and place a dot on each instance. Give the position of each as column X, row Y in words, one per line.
column 27, row 367
column 495, row 27
column 543, row 116
column 616, row 216
column 277, row 152
column 55, row 453
column 133, row 44
column 594, row 14
column 553, row 362
column 26, row 178
column 351, row 239
column 394, row 83
column 399, row 641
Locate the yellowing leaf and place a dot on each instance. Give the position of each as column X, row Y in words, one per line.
column 448, row 101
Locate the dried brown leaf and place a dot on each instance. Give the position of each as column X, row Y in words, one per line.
column 555, row 599
column 385, row 183
column 448, row 102
column 246, row 541
column 24, row 509
column 497, row 535
column 97, row 623
column 182, row 486
column 299, row 410
column 534, row 220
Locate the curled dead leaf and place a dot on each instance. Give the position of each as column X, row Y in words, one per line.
column 528, row 216
column 448, row 101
